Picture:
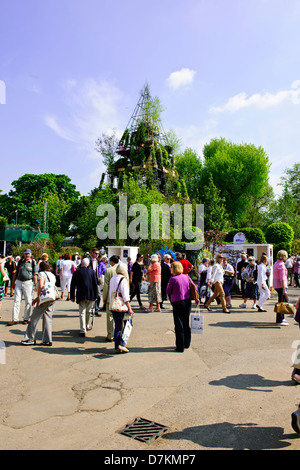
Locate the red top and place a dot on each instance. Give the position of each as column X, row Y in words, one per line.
column 186, row 265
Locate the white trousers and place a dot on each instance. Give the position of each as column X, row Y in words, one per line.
column 264, row 294
column 22, row 288
column 85, row 307
column 66, row 282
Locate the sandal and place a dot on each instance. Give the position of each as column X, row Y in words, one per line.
column 28, row 342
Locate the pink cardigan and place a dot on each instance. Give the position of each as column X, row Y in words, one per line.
column 154, row 272
column 279, row 274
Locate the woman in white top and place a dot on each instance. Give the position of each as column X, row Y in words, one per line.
column 217, row 279
column 45, row 310
column 67, row 267
column 264, row 292
column 120, row 283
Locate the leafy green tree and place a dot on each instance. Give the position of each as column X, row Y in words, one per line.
column 281, row 235
column 284, row 209
column 291, row 180
column 240, row 172
column 31, row 193
column 189, row 167
column 215, row 215
column 107, row 146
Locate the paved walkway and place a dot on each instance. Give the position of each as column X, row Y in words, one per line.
column 230, row 390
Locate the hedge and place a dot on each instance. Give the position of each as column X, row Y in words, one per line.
column 252, row 234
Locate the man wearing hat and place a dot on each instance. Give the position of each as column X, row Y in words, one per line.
column 24, row 279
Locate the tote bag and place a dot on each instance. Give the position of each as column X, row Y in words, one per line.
column 127, row 331
column 49, row 292
column 197, row 322
column 118, row 304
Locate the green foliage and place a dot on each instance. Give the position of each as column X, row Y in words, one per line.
column 239, row 172
column 31, row 194
column 3, row 222
column 281, row 235
column 189, row 168
column 291, row 180
column 279, row 232
column 215, row 215
column 252, row 234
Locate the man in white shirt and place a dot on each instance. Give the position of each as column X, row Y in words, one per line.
column 217, row 279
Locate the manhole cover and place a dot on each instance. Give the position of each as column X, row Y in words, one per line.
column 144, row 430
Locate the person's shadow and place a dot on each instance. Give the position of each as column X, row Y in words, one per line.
column 253, row 382
column 246, row 436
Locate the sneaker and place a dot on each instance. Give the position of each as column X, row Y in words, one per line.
column 283, row 323
column 123, row 349
column 254, row 306
column 296, row 420
column 295, row 377
column 243, row 305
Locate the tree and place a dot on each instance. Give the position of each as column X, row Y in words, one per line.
column 107, row 145
column 281, row 235
column 240, row 172
column 291, row 180
column 31, row 193
column 215, row 215
column 189, row 166
column 284, row 209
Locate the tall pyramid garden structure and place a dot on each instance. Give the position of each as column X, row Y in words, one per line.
column 144, row 152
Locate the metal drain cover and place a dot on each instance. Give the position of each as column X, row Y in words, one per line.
column 144, row 430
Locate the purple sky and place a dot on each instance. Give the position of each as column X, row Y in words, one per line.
column 70, row 70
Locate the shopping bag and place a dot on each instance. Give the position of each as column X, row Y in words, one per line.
column 197, row 322
column 144, row 287
column 127, row 331
column 49, row 292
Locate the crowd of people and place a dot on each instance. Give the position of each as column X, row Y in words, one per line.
column 90, row 280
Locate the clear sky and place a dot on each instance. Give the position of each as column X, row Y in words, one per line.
column 71, row 69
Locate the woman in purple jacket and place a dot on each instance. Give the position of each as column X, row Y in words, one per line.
column 180, row 295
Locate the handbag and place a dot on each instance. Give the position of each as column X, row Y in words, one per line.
column 193, row 290
column 6, row 276
column 118, row 304
column 285, row 308
column 197, row 322
column 49, row 292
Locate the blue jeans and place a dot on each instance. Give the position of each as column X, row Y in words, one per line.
column 118, row 319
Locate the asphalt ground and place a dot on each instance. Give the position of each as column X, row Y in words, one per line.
column 231, row 390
